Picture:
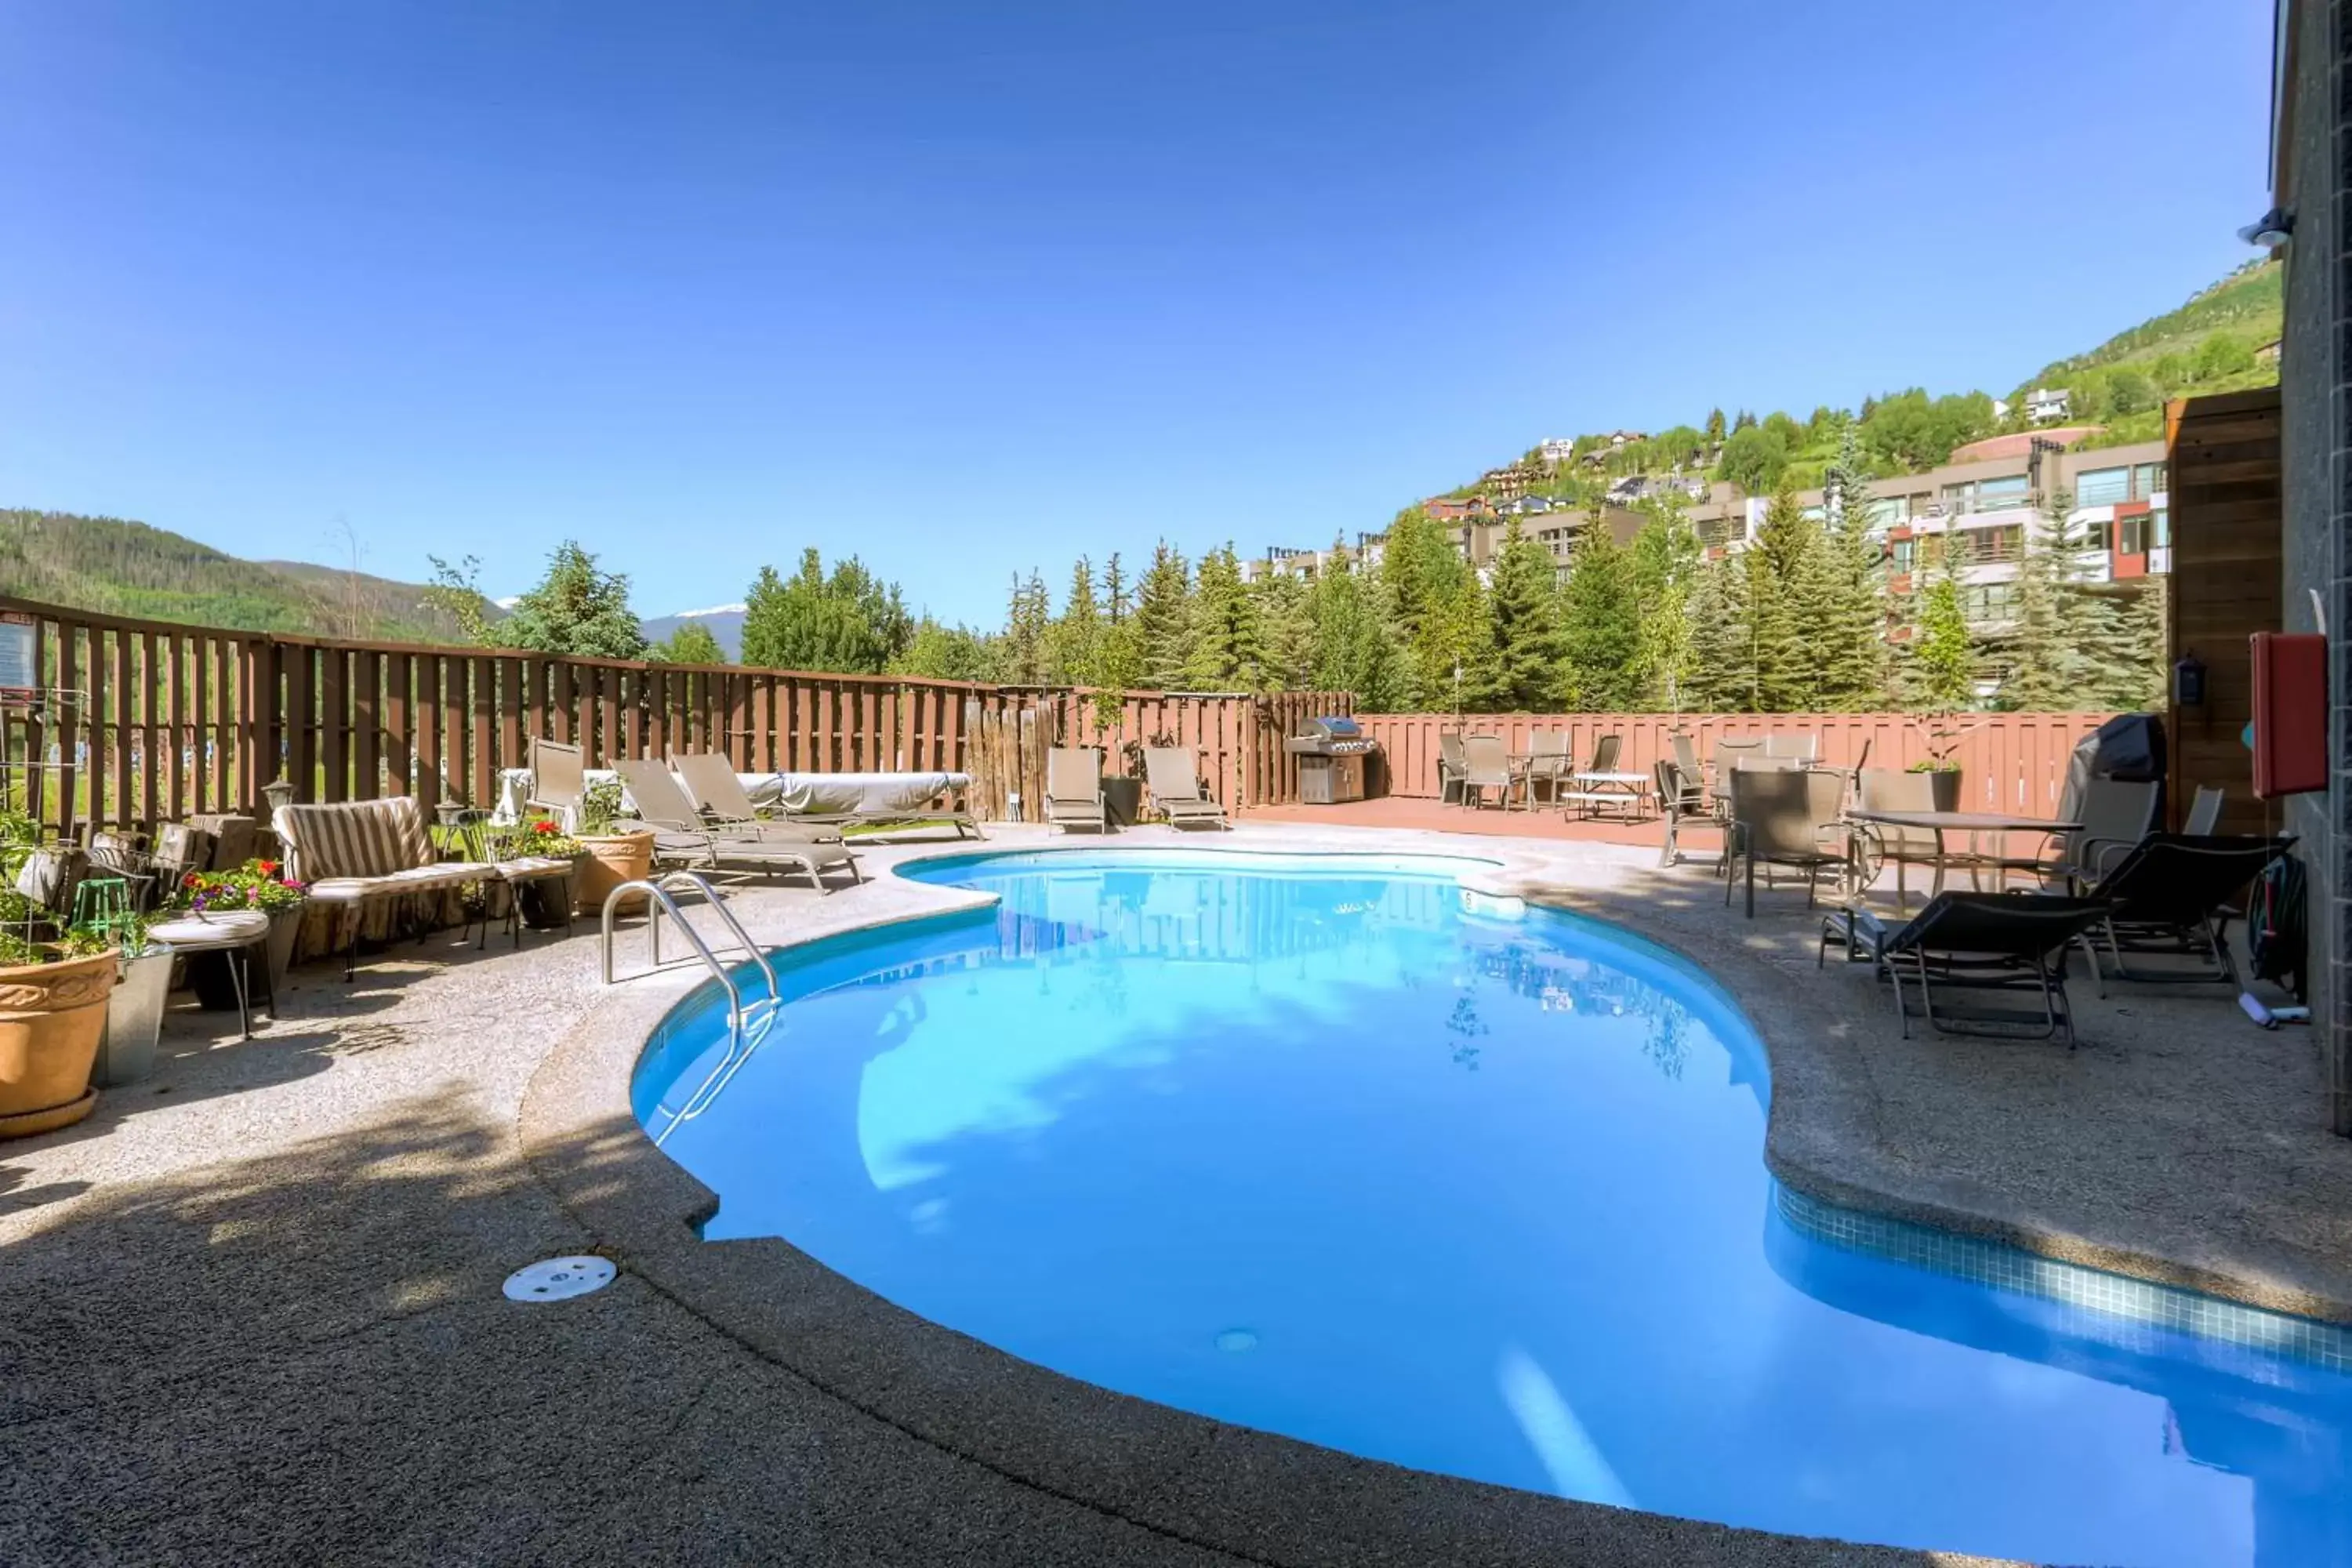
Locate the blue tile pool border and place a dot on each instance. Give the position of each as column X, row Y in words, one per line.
column 1987, row 1262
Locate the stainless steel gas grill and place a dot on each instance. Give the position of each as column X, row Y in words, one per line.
column 1332, row 754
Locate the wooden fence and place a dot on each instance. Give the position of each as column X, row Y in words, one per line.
column 2009, row 762
column 127, row 723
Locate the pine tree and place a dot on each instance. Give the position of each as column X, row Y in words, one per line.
column 1665, row 565
column 1286, row 629
column 1715, row 431
column 576, row 609
column 1227, row 653
column 1786, row 592
column 1939, row 666
column 1356, row 648
column 2046, row 659
column 1163, row 617
column 1853, row 634
column 1115, row 591
column 1435, row 601
column 1599, row 623
column 2145, row 668
column 1522, row 617
column 1722, row 647
column 1028, row 628
column 1075, row 645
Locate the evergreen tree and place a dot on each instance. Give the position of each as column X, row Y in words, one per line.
column 1665, row 565
column 937, row 652
column 1715, row 430
column 575, row 609
column 1163, row 617
column 1722, row 646
column 1028, row 628
column 1356, row 647
column 848, row 620
column 1852, row 631
column 1786, row 591
column 1523, row 618
column 2144, row 670
column 1076, row 643
column 1746, row 421
column 1227, row 652
column 2046, row 662
column 1939, row 668
column 1600, row 624
column 1115, row 591
column 1286, row 629
column 1435, row 601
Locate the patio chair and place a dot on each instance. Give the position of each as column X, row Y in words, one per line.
column 1891, row 789
column 1175, row 781
column 717, row 792
column 2204, row 812
column 1074, row 791
column 1687, row 758
column 682, row 838
column 1547, row 766
column 1682, row 799
column 2115, row 815
column 2173, row 894
column 1979, row 941
column 1796, row 748
column 1486, row 766
column 1451, row 766
column 1785, row 817
column 1599, row 784
column 1730, row 755
column 559, row 780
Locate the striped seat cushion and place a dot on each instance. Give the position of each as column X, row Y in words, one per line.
column 414, row 879
column 356, row 838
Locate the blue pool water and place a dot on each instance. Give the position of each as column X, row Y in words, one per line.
column 1344, row 1153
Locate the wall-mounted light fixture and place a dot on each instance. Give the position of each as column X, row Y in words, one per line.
column 2270, row 230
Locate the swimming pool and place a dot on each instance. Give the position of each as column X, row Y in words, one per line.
column 1337, row 1150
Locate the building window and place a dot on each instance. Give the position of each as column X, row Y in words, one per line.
column 2146, row 481
column 2131, row 535
column 1989, row 601
column 1982, row 544
column 2103, row 487
column 1986, row 495
column 1902, row 550
column 2159, row 528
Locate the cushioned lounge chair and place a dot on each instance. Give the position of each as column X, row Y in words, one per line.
column 681, row 837
column 1975, row 941
column 1074, row 791
column 1176, row 788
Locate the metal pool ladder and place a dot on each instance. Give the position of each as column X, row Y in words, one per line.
column 747, row 1023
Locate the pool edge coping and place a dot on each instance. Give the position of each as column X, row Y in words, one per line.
column 1188, row 1477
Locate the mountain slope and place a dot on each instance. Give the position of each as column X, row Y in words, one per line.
column 725, row 622
column 118, row 567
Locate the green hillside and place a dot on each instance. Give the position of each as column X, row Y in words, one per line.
column 116, row 567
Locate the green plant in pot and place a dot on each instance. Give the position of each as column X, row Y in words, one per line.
column 1941, row 736
column 134, row 1010
column 615, row 852
column 543, row 900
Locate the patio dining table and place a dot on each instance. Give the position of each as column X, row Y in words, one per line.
column 1940, row 823
column 1627, row 793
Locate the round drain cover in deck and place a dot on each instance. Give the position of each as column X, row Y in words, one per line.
column 559, row 1278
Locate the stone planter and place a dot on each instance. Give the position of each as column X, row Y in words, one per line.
column 611, row 860
column 285, row 927
column 51, row 1016
column 1123, row 799
column 134, row 1017
column 1947, row 785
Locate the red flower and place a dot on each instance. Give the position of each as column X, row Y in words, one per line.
column 543, row 826
column 267, row 868
column 192, row 881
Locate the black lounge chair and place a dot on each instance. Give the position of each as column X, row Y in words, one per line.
column 2173, row 894
column 1978, row 941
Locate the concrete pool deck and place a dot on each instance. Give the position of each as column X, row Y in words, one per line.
column 254, row 1309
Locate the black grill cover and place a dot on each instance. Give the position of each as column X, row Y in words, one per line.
column 2129, row 746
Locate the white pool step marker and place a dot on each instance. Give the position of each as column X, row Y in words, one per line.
column 559, row 1278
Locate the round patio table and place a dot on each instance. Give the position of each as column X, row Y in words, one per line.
column 1942, row 822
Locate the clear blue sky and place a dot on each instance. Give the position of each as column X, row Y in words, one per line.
column 966, row 288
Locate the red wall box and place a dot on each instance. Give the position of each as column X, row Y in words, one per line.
column 2290, row 713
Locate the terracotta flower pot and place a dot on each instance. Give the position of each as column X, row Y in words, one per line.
column 610, row 861
column 51, row 1016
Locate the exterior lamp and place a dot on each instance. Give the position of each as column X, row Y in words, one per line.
column 2270, row 230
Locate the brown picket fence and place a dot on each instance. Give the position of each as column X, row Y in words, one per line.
column 2009, row 762
column 123, row 723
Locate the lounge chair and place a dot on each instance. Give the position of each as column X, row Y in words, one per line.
column 1074, row 791
column 1980, row 941
column 1785, row 817
column 559, row 780
column 2173, row 894
column 2115, row 815
column 682, row 838
column 1176, row 788
column 716, row 792
column 1451, row 766
column 1486, row 766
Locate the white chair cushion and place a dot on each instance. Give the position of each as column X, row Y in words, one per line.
column 196, row 934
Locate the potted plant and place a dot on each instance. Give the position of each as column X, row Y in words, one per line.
column 1123, row 792
column 134, row 1008
column 1942, row 734
column 52, row 1011
column 610, row 857
column 255, row 885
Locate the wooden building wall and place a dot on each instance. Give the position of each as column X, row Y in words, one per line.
column 2225, row 585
